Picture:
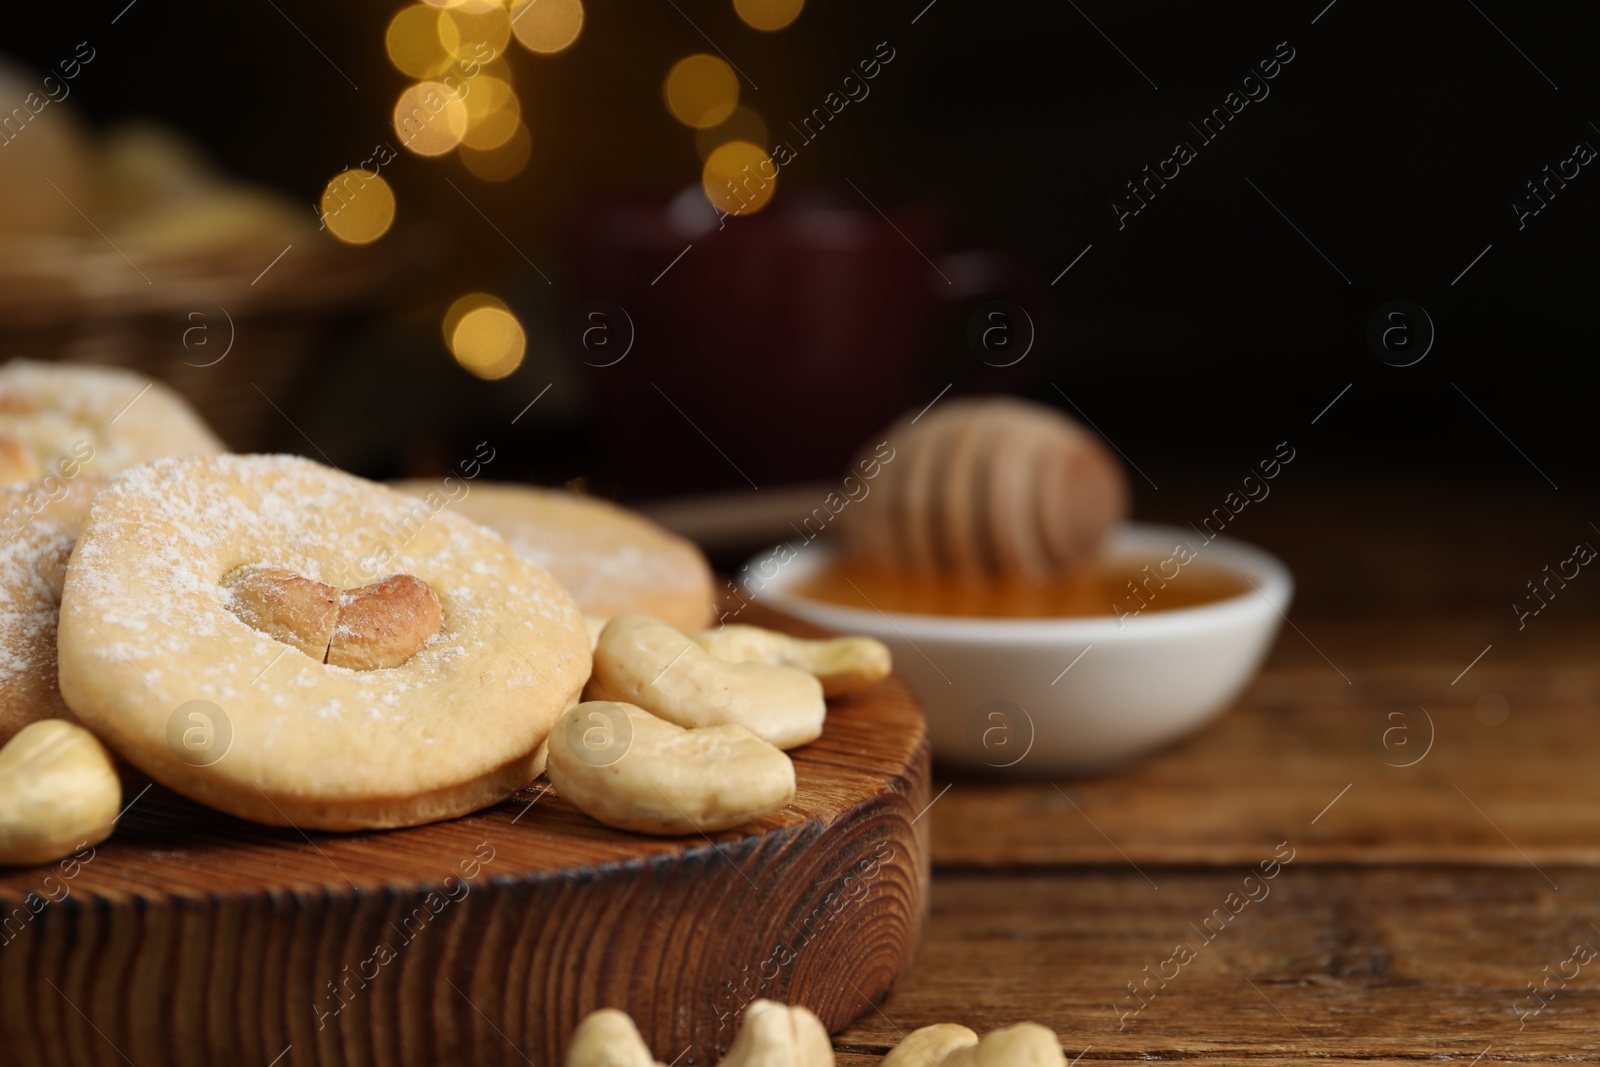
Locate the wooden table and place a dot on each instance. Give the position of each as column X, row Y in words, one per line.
column 1421, row 900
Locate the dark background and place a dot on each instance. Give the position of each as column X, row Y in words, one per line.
column 1196, row 338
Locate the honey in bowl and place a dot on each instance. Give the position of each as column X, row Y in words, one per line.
column 1118, row 588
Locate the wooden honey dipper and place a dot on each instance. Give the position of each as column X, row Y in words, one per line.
column 988, row 487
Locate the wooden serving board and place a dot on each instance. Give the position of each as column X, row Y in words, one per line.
column 192, row 938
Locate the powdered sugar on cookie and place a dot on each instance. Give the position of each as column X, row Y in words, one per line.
column 476, row 694
column 43, row 525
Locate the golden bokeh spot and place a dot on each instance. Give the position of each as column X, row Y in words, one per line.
column 743, row 125
column 503, row 162
column 461, row 305
column 487, row 94
column 488, row 340
column 474, row 6
column 496, row 68
column 429, row 119
column 701, row 90
column 492, row 113
column 357, row 206
column 474, row 35
column 413, row 42
column 768, row 14
column 546, row 26
column 492, row 131
column 739, row 178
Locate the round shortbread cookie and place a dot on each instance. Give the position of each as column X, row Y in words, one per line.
column 149, row 627
column 613, row 561
column 39, row 522
column 104, row 419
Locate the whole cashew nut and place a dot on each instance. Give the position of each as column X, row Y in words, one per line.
column 624, row 767
column 841, row 664
column 930, row 1046
column 776, row 1035
column 1022, row 1045
column 370, row 628
column 608, row 1038
column 643, row 661
column 59, row 791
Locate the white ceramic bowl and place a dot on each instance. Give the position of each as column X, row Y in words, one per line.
column 1064, row 696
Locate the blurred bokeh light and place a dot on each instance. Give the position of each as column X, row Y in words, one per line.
column 429, row 119
column 701, row 90
column 768, row 14
column 546, row 26
column 745, row 124
column 502, row 162
column 414, row 44
column 493, row 113
column 484, row 336
column 474, row 35
column 739, row 178
column 357, row 206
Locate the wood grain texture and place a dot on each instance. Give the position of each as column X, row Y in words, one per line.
column 1334, row 964
column 1511, row 793
column 191, row 938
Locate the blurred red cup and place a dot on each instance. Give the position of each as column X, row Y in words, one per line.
column 780, row 340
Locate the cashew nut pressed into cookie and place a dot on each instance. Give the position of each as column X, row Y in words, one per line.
column 376, row 626
column 626, row 768
column 841, row 664
column 643, row 661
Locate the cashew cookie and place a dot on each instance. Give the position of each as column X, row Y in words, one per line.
column 99, row 419
column 613, row 561
column 39, row 523
column 219, row 632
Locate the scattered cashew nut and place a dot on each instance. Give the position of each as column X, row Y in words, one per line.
column 776, row 1035
column 1022, row 1045
column 643, row 661
column 841, row 664
column 59, row 792
column 608, row 1038
column 779, row 1035
column 929, row 1046
column 370, row 628
column 626, row 768
column 771, row 1035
